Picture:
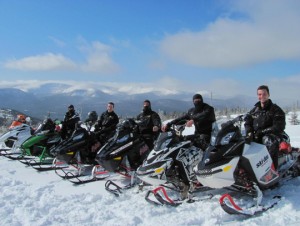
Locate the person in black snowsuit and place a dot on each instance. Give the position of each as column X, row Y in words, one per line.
column 149, row 124
column 106, row 124
column 265, row 123
column 69, row 123
column 202, row 116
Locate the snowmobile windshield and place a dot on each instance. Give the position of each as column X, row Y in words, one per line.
column 123, row 138
column 165, row 140
column 38, row 129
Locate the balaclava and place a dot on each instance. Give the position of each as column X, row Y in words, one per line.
column 198, row 104
column 147, row 109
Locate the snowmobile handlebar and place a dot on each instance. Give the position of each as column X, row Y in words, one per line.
column 178, row 128
column 237, row 119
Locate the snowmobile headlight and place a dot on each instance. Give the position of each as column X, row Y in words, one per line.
column 226, row 139
column 159, row 170
column 227, row 168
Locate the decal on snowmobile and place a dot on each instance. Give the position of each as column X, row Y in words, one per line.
column 262, row 161
column 122, row 148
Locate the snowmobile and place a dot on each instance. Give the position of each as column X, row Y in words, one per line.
column 233, row 164
column 12, row 139
column 123, row 153
column 35, row 148
column 170, row 165
column 73, row 157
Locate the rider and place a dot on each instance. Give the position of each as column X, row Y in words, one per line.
column 265, row 123
column 202, row 116
column 106, row 124
column 19, row 121
column 92, row 118
column 70, row 122
column 149, row 124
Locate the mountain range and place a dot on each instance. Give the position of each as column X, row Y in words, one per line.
column 54, row 99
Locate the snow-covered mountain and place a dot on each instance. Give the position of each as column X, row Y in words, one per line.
column 55, row 97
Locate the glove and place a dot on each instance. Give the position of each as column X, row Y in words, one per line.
column 97, row 127
column 249, row 138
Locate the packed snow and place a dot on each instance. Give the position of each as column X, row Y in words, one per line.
column 29, row 197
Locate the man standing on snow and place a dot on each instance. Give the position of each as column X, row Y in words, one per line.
column 202, row 116
column 265, row 123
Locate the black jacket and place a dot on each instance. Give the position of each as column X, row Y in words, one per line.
column 147, row 120
column 107, row 122
column 70, row 120
column 203, row 119
column 270, row 119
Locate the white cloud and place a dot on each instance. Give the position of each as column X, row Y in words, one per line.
column 45, row 62
column 268, row 30
column 98, row 58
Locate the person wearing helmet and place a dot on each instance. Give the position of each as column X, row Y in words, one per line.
column 92, row 118
column 202, row 116
column 70, row 122
column 106, row 124
column 149, row 124
column 265, row 123
column 21, row 118
column 19, row 121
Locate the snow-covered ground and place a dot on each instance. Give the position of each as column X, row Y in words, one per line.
column 28, row 197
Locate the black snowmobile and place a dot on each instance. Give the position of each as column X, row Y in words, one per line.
column 232, row 164
column 170, row 165
column 74, row 159
column 123, row 153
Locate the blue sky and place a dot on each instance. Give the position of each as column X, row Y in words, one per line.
column 220, row 46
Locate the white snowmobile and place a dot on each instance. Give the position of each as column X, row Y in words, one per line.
column 247, row 168
column 11, row 141
column 170, row 166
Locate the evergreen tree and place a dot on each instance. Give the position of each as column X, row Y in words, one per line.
column 294, row 118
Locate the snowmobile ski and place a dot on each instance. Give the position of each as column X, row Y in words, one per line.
column 7, row 151
column 53, row 166
column 37, row 161
column 71, row 171
column 87, row 179
column 34, row 160
column 41, row 167
column 230, row 207
column 87, row 175
column 18, row 157
column 160, row 197
column 115, row 189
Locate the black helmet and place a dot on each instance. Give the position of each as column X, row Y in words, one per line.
column 92, row 116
